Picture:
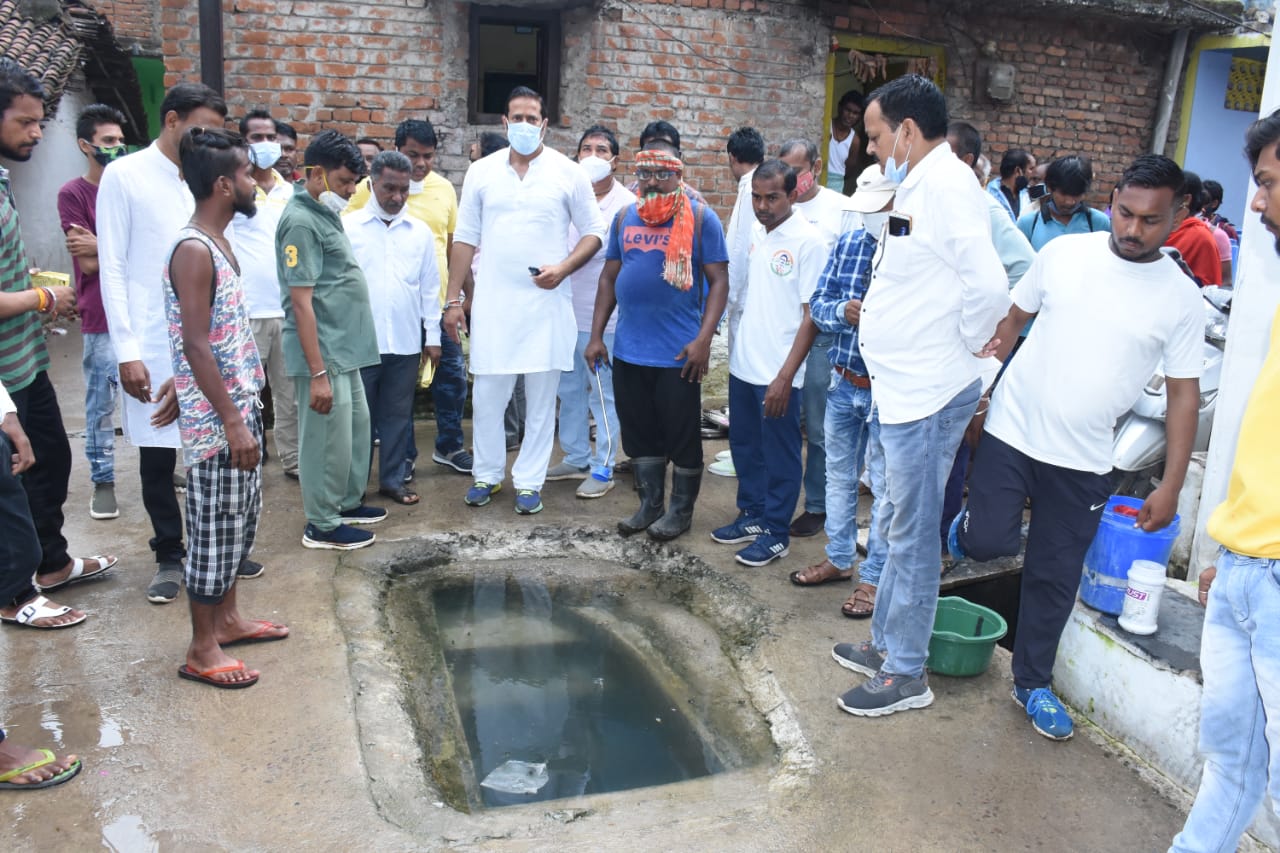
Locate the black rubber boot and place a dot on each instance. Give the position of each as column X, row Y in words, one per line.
column 685, row 483
column 650, row 473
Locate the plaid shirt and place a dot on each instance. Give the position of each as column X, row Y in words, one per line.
column 846, row 276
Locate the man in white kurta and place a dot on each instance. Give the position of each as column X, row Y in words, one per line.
column 142, row 204
column 517, row 204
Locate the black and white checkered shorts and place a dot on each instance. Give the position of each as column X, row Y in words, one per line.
column 223, row 505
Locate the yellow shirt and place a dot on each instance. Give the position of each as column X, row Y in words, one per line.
column 1248, row 522
column 436, row 205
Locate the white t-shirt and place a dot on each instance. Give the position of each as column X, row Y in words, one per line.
column 824, row 211
column 1103, row 326
column 783, row 270
column 254, row 243
column 586, row 281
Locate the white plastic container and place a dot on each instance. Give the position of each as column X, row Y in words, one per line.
column 1142, row 598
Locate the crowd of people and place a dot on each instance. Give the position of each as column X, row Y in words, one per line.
column 871, row 337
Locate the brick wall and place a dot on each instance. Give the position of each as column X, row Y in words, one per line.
column 363, row 65
column 134, row 22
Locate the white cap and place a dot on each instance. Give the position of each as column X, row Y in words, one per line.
column 873, row 193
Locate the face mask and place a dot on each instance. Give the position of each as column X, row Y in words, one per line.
column 1069, row 211
column 378, row 211
column 892, row 170
column 875, row 222
column 106, row 155
column 1020, row 183
column 524, row 138
column 264, row 154
column 804, row 183
column 332, row 200
column 416, row 187
column 597, row 170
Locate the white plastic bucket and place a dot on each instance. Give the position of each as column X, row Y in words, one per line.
column 1142, row 597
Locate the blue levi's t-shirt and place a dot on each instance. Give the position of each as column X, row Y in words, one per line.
column 655, row 320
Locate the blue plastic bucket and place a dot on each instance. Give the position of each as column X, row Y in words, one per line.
column 1117, row 545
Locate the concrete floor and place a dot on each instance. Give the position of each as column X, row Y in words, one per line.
column 171, row 765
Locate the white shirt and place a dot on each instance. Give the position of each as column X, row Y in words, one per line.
column 785, row 264
column 6, row 402
column 142, row 205
column 255, row 246
column 935, row 296
column 516, row 327
column 586, row 281
column 1103, row 325
column 399, row 264
column 738, row 241
column 838, row 153
column 825, row 211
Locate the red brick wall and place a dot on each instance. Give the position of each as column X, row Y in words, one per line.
column 363, row 65
column 134, row 21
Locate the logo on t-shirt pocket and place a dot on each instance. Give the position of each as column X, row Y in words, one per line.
column 782, row 262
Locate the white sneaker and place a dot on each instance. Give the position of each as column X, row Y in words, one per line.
column 723, row 468
column 565, row 471
column 593, row 488
column 723, row 455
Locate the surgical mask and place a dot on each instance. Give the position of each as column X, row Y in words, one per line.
column 378, row 211
column 105, row 155
column 264, row 154
column 524, row 138
column 416, row 187
column 892, row 170
column 597, row 169
column 875, row 222
column 804, row 182
column 1020, row 183
column 332, row 200
column 1070, row 211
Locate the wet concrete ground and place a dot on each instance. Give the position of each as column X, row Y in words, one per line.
column 172, row 765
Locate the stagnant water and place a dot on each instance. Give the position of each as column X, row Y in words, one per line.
column 553, row 706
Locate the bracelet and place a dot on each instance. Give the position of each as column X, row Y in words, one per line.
column 321, row 373
column 53, row 299
column 983, row 412
column 42, row 300
column 453, row 303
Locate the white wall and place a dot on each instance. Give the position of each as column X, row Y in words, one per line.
column 56, row 160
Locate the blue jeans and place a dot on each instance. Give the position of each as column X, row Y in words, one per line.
column 388, row 388
column 870, row 569
column 578, row 393
column 1240, row 705
column 449, row 394
column 817, row 376
column 101, row 380
column 766, row 452
column 918, row 456
column 848, row 409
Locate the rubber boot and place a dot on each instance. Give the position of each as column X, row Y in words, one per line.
column 650, row 473
column 685, row 483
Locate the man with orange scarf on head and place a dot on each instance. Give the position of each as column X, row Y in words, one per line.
column 667, row 273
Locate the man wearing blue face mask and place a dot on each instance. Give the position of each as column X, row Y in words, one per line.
column 1064, row 211
column 100, row 135
column 254, row 242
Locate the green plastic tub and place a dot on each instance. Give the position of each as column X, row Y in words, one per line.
column 964, row 637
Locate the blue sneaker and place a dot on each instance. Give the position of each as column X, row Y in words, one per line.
column 1047, row 713
column 341, row 538
column 481, row 493
column 763, row 551
column 528, row 502
column 364, row 514
column 953, row 536
column 743, row 529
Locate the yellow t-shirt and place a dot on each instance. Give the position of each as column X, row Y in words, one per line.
column 1248, row 522
column 436, row 205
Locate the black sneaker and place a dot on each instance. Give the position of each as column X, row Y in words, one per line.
column 165, row 585
column 861, row 658
column 808, row 524
column 341, row 538
column 363, row 514
column 249, row 570
column 887, row 693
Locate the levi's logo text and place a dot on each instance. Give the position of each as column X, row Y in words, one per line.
column 782, row 262
column 644, row 238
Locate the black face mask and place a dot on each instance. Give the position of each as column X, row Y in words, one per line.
column 106, row 155
column 1020, row 183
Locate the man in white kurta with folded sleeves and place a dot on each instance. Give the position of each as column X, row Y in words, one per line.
column 517, row 204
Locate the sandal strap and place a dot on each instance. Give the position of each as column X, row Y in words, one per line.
column 37, row 608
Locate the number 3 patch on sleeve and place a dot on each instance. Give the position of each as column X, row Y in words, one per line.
column 291, row 256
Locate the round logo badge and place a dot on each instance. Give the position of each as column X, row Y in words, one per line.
column 782, row 262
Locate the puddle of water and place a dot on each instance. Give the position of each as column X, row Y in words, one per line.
column 538, row 682
column 128, row 834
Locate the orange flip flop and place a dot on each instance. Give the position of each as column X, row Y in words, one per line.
column 206, row 677
column 260, row 635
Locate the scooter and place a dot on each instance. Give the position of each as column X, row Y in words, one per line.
column 1138, row 449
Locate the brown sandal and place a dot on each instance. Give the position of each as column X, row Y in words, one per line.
column 820, row 573
column 861, row 604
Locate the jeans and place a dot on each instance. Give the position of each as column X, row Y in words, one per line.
column 101, row 380
column 449, row 394
column 1240, row 704
column 388, row 392
column 848, row 409
column 918, row 456
column 817, row 377
column 333, row 449
column 871, row 568
column 19, row 546
column 578, row 393
column 766, row 452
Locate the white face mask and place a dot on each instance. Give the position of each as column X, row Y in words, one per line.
column 416, row 187
column 264, row 154
column 597, row 169
column 524, row 138
column 332, row 200
column 377, row 210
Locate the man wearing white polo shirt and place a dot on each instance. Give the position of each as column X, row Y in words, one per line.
column 517, row 205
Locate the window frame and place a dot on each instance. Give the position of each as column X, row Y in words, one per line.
column 548, row 55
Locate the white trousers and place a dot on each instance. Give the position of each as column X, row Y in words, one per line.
column 490, row 395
